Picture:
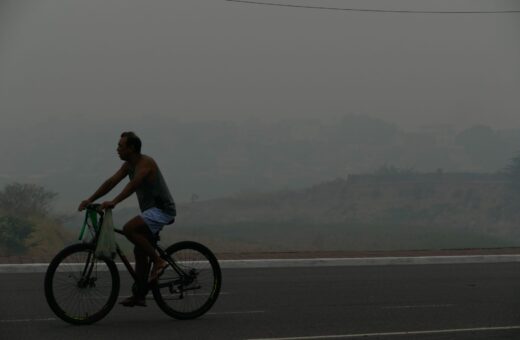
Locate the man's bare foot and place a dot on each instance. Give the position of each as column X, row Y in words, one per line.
column 158, row 270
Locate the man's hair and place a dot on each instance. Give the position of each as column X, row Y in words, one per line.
column 132, row 140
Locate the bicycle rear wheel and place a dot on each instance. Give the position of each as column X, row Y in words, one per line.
column 79, row 288
column 192, row 293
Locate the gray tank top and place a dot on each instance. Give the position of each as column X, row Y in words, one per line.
column 154, row 194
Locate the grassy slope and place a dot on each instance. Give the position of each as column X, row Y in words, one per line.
column 369, row 214
column 48, row 237
column 359, row 214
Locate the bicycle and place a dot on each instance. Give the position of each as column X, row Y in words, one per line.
column 81, row 288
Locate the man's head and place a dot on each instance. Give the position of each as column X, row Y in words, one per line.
column 129, row 144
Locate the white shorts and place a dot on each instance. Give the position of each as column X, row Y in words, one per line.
column 155, row 219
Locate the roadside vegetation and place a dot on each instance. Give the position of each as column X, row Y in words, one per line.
column 27, row 226
column 389, row 209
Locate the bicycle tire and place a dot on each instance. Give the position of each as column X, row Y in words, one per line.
column 195, row 299
column 65, row 275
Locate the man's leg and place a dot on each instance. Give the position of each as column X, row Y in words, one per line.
column 137, row 232
column 141, row 271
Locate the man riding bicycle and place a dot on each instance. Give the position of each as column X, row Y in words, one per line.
column 155, row 202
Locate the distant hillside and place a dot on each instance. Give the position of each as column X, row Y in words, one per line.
column 212, row 159
column 363, row 212
column 369, row 212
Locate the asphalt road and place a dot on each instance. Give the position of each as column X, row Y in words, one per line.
column 453, row 301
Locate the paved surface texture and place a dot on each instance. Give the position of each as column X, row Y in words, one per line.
column 449, row 301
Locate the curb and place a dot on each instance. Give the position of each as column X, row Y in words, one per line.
column 370, row 261
column 318, row 262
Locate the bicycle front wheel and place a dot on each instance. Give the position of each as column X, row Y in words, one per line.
column 192, row 289
column 80, row 288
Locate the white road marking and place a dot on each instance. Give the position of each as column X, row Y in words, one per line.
column 418, row 306
column 242, row 312
column 28, row 320
column 314, row 262
column 151, row 298
column 366, row 335
column 54, row 319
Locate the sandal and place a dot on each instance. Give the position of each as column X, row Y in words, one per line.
column 158, row 270
column 133, row 301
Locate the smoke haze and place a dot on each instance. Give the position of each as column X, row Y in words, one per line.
column 74, row 74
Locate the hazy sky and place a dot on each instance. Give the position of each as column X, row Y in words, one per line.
column 218, row 59
column 66, row 63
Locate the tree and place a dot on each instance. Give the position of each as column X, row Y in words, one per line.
column 13, row 233
column 26, row 225
column 25, row 200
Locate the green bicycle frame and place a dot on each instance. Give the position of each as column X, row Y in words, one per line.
column 92, row 215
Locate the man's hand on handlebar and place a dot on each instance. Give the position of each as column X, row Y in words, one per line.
column 107, row 205
column 83, row 205
column 99, row 207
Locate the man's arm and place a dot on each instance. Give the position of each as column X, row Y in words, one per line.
column 141, row 173
column 108, row 185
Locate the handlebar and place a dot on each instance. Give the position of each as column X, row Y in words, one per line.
column 96, row 207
